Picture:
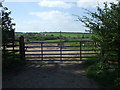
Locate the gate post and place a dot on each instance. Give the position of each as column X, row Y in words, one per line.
column 80, row 50
column 41, row 51
column 61, row 51
column 22, row 48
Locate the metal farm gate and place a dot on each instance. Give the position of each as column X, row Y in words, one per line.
column 60, row 51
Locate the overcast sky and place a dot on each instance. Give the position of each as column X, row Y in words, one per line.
column 50, row 15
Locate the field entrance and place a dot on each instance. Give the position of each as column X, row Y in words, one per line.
column 60, row 51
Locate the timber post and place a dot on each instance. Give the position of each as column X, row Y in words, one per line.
column 80, row 50
column 22, row 48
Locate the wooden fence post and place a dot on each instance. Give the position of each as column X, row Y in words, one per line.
column 80, row 50
column 61, row 50
column 22, row 48
column 41, row 51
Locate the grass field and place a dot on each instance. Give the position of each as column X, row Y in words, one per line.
column 44, row 40
column 68, row 34
column 54, row 36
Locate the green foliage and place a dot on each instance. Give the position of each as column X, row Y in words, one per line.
column 12, row 60
column 7, row 24
column 89, row 62
column 107, row 77
column 117, row 82
column 104, row 25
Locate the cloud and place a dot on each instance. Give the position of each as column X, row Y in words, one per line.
column 56, row 3
column 40, row 26
column 92, row 3
column 36, row 0
column 53, row 21
column 67, row 3
column 52, row 16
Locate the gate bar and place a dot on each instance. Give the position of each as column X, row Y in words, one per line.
column 42, row 51
column 80, row 50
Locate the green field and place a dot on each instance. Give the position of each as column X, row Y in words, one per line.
column 54, row 36
column 44, row 40
column 68, row 34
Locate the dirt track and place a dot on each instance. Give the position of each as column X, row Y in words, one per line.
column 39, row 75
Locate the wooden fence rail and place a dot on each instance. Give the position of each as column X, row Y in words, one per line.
column 10, row 47
column 32, row 53
column 47, row 54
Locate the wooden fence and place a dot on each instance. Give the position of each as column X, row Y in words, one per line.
column 14, row 46
column 36, row 51
column 66, row 50
column 74, row 51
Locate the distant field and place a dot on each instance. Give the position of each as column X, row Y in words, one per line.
column 54, row 36
column 44, row 40
column 68, row 34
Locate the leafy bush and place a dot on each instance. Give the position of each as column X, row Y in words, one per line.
column 107, row 77
column 104, row 25
column 117, row 82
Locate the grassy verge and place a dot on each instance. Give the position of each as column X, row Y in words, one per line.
column 11, row 62
column 103, row 74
